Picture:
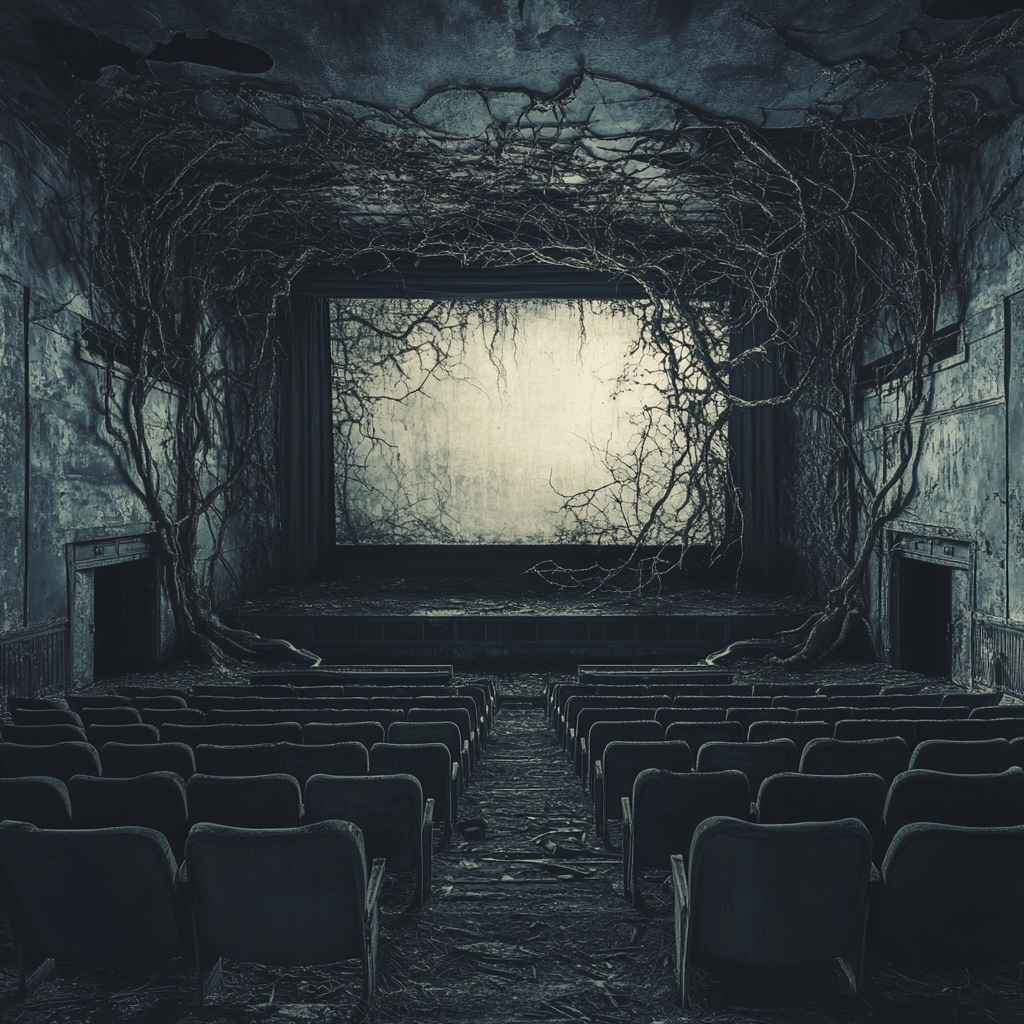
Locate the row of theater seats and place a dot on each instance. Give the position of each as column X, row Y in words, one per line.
column 389, row 809
column 928, row 792
column 117, row 897
column 807, row 893
column 268, row 834
column 622, row 760
column 663, row 808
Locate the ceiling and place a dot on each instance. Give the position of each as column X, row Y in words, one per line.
column 776, row 64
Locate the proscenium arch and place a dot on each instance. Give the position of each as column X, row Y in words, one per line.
column 307, row 446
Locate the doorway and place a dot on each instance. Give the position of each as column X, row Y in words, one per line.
column 126, row 628
column 925, row 616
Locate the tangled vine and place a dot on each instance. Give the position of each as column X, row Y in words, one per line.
column 807, row 242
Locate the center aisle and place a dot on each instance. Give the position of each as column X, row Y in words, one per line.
column 520, row 928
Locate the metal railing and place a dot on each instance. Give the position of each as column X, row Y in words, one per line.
column 35, row 660
column 999, row 656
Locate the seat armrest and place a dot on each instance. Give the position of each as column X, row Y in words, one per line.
column 373, row 888
column 627, row 849
column 456, row 778
column 680, row 884
column 428, row 813
column 599, row 816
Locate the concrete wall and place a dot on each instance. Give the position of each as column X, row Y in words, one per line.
column 64, row 492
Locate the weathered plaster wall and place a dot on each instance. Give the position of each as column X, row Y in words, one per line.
column 62, row 481
column 966, row 506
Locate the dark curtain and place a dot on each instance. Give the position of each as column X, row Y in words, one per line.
column 307, row 441
column 753, row 437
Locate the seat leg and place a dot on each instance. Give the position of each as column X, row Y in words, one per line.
column 33, row 971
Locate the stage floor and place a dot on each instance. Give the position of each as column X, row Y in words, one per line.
column 525, row 595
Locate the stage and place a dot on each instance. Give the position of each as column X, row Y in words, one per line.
column 512, row 619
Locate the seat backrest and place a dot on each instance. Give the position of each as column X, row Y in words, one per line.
column 236, row 759
column 77, row 701
column 230, row 735
column 986, row 801
column 109, row 716
column 95, row 896
column 769, row 714
column 431, row 763
column 876, row 728
column 123, row 760
column 797, row 894
column 368, row 733
column 171, row 716
column 979, row 918
column 800, row 703
column 45, row 716
column 970, row 729
column 801, row 733
column 791, row 797
column 38, row 799
column 159, row 701
column 998, row 711
column 57, row 760
column 962, row 757
column 971, row 700
column 428, row 732
column 97, row 735
column 883, row 756
column 1017, row 752
column 624, row 760
column 696, row 734
column 50, row 703
column 850, row 689
column 459, row 715
column 756, row 760
column 39, row 735
column 387, row 809
column 666, row 716
column 668, row 806
column 301, row 760
column 244, row 801
column 155, row 800
column 603, row 733
column 284, row 897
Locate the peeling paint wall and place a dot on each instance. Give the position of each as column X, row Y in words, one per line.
column 52, row 436
column 966, row 506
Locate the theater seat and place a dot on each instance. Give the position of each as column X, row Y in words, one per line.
column 390, row 812
column 663, row 811
column 622, row 762
column 795, row 895
column 885, row 756
column 756, row 760
column 245, row 801
column 793, row 797
column 89, row 896
column 984, row 801
column 302, row 760
column 431, row 764
column 38, row 799
column 323, row 733
column 951, row 896
column 236, row 759
column 58, row 760
column 155, row 800
column 282, row 897
column 123, row 760
column 962, row 757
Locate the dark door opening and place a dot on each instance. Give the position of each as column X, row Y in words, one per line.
column 925, row 615
column 125, row 617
